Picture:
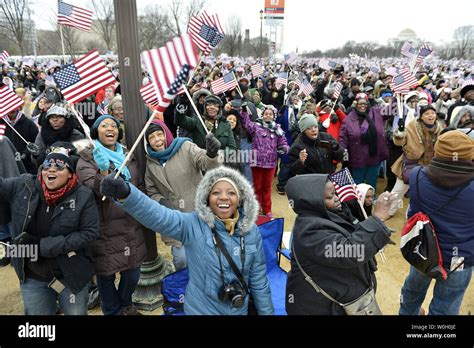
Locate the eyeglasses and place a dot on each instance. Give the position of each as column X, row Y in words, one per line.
column 59, row 165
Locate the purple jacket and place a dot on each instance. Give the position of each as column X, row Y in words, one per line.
column 265, row 143
column 350, row 139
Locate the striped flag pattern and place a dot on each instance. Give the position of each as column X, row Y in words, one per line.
column 74, row 16
column 282, row 80
column 290, row 57
column 327, row 64
column 149, row 95
column 167, row 65
column 206, row 32
column 424, row 52
column 8, row 101
column 306, row 88
column 224, row 84
column 402, row 82
column 83, row 78
column 408, row 50
column 257, row 70
column 2, row 131
column 299, row 81
column 4, row 56
column 344, row 184
column 337, row 91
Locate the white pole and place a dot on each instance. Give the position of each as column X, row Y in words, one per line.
column 62, row 43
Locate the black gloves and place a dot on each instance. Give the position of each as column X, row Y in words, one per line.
column 212, row 145
column 115, row 188
column 282, row 150
column 26, row 238
column 401, row 125
column 182, row 104
column 334, row 118
column 168, row 204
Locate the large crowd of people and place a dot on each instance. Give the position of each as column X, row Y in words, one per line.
column 209, row 174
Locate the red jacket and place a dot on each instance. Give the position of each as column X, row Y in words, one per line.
column 333, row 128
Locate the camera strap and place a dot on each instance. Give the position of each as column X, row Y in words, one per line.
column 218, row 243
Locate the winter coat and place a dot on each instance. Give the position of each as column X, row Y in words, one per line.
column 265, row 142
column 223, row 131
column 320, row 155
column 47, row 137
column 121, row 244
column 74, row 226
column 333, row 128
column 412, row 142
column 454, row 223
column 194, row 231
column 350, row 139
column 10, row 166
column 177, row 180
column 317, row 237
column 28, row 130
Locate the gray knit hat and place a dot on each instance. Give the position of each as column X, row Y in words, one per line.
column 306, row 121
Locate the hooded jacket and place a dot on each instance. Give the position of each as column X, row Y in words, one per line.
column 194, row 231
column 318, row 235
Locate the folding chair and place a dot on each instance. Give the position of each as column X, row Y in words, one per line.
column 173, row 290
column 272, row 232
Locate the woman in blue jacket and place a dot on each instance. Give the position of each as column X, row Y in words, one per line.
column 225, row 209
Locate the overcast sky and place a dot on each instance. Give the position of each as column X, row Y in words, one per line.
column 325, row 24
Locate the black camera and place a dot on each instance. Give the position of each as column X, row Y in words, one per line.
column 233, row 293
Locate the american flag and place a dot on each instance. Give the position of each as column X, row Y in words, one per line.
column 149, row 95
column 102, row 108
column 257, row 70
column 408, row 50
column 224, row 84
column 327, row 64
column 74, row 16
column 206, row 32
column 424, row 52
column 166, row 66
column 290, row 57
column 403, row 81
column 9, row 101
column 374, row 69
column 282, row 80
column 306, row 88
column 2, row 131
column 4, row 56
column 83, row 78
column 337, row 91
column 344, row 184
column 299, row 80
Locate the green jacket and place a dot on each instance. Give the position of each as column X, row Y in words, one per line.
column 223, row 132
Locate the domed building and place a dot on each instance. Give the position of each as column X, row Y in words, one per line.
column 407, row 35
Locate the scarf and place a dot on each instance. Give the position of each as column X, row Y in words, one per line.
column 169, row 152
column 231, row 222
column 429, row 138
column 343, row 218
column 271, row 126
column 50, row 136
column 369, row 137
column 52, row 197
column 117, row 157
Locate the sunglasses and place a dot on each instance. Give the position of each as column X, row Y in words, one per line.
column 58, row 165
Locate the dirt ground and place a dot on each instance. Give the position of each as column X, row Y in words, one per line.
column 390, row 275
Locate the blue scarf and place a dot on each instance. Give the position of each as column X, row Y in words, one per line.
column 166, row 154
column 117, row 157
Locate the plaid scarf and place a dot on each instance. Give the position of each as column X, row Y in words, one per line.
column 52, row 197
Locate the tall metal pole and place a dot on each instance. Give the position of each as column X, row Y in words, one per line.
column 261, row 33
column 148, row 293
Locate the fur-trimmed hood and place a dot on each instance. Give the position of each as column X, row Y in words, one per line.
column 248, row 203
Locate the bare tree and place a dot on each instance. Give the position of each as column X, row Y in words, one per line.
column 105, row 26
column 14, row 12
column 180, row 12
column 153, row 27
column 464, row 37
column 233, row 32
